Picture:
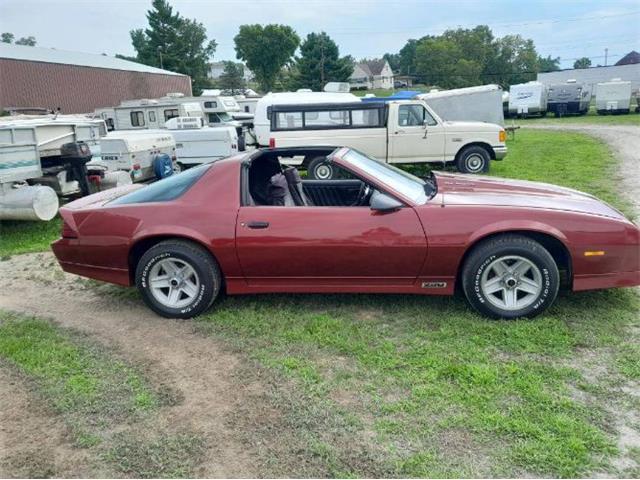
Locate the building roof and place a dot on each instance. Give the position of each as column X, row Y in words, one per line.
column 630, row 58
column 65, row 57
column 372, row 67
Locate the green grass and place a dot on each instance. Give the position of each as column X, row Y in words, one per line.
column 97, row 394
column 591, row 117
column 24, row 237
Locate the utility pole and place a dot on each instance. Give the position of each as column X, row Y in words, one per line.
column 160, row 53
column 606, row 55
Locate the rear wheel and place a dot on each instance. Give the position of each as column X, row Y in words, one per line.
column 178, row 279
column 473, row 159
column 509, row 277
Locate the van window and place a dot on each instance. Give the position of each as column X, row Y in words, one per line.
column 288, row 120
column 414, row 116
column 171, row 113
column 152, row 116
column 210, row 104
column 366, row 118
column 328, row 119
column 137, row 118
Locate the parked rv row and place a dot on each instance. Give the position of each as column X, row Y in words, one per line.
column 570, row 98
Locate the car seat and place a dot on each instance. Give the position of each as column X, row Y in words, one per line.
column 278, row 193
column 295, row 187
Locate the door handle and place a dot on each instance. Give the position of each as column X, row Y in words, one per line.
column 257, row 224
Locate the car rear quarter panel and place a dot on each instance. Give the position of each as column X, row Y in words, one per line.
column 205, row 214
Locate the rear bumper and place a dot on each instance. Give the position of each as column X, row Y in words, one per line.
column 66, row 251
column 606, row 280
column 500, row 152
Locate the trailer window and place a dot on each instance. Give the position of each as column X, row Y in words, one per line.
column 171, row 113
column 414, row 116
column 152, row 116
column 137, row 118
column 288, row 120
column 210, row 104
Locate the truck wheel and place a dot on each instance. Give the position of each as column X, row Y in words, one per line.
column 509, row 277
column 320, row 169
column 473, row 159
column 178, row 279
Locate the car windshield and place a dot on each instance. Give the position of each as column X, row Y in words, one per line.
column 408, row 185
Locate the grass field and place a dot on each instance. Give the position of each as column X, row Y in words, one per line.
column 370, row 386
column 590, row 118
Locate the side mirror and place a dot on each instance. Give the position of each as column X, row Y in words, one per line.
column 383, row 203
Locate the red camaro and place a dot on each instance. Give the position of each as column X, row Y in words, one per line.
column 248, row 224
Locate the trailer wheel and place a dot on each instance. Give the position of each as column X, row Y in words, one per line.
column 473, row 159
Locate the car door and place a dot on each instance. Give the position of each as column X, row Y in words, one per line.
column 321, row 246
column 415, row 135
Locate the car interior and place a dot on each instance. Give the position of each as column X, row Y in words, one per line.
column 271, row 183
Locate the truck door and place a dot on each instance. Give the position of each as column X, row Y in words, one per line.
column 414, row 134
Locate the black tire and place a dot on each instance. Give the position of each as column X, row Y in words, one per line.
column 506, row 247
column 473, row 159
column 204, row 265
column 320, row 169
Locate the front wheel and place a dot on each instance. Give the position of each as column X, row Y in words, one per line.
column 178, row 279
column 509, row 277
column 473, row 159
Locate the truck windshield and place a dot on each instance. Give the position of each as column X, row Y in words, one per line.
column 409, row 185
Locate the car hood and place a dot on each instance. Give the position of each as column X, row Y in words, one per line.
column 480, row 190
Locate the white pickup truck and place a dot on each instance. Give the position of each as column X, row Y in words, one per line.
column 406, row 131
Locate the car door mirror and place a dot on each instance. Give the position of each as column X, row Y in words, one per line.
column 381, row 202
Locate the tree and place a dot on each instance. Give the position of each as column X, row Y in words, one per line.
column 393, row 59
column 232, row 78
column 439, row 61
column 265, row 50
column 7, row 37
column 320, row 63
column 584, row 62
column 515, row 61
column 548, row 64
column 28, row 41
column 174, row 43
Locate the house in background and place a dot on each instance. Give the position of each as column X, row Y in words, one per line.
column 216, row 69
column 371, row 74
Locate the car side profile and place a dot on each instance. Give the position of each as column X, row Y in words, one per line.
column 249, row 224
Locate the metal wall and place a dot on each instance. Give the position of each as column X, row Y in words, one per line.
column 77, row 89
column 595, row 75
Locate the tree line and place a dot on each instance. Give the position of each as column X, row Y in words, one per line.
column 457, row 58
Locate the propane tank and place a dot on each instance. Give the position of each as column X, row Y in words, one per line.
column 28, row 203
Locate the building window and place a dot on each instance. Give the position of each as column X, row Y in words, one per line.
column 152, row 116
column 137, row 118
column 171, row 113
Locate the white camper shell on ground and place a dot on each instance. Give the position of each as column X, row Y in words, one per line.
column 395, row 132
column 143, row 154
column 613, row 97
column 528, row 99
column 478, row 104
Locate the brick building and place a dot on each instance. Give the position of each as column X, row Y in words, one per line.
column 78, row 82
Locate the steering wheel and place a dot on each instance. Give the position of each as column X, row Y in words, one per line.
column 363, row 195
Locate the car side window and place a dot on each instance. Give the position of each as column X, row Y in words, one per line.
column 414, row 116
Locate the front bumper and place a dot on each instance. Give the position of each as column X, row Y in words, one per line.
column 500, row 152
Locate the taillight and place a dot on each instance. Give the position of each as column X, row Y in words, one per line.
column 272, row 142
column 136, row 166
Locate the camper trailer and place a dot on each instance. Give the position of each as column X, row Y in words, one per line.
column 480, row 104
column 247, row 104
column 196, row 144
column 145, row 155
column 150, row 113
column 570, row 98
column 528, row 99
column 613, row 97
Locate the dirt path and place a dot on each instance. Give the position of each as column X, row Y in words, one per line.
column 197, row 367
column 624, row 140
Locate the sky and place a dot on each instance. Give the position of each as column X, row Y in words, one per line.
column 568, row 29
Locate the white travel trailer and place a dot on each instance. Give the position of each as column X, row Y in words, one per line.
column 196, row 144
column 247, row 104
column 528, row 99
column 148, row 113
column 262, row 118
column 145, row 155
column 480, row 104
column 613, row 97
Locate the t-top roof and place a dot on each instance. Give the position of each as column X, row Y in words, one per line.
column 52, row 55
